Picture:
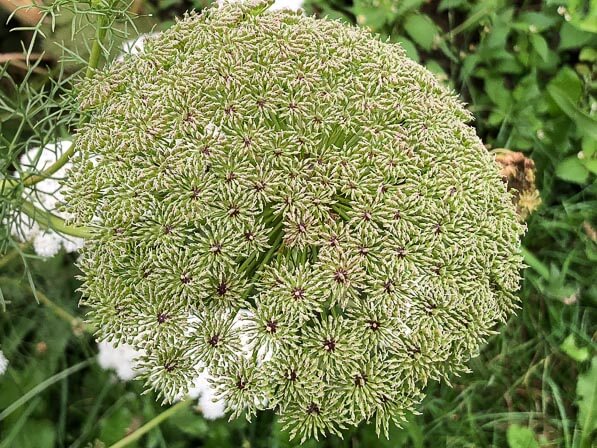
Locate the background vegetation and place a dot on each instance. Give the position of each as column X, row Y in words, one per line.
column 527, row 69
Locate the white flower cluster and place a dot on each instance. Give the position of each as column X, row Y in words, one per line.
column 135, row 46
column 210, row 406
column 3, row 363
column 119, row 358
column 123, row 359
column 294, row 5
column 47, row 195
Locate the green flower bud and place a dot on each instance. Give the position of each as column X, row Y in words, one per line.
column 296, row 207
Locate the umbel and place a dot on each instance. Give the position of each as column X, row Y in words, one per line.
column 296, row 208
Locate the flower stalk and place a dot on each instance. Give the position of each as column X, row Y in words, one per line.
column 48, row 220
column 154, row 422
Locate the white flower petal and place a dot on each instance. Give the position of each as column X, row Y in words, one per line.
column 122, row 359
column 3, row 363
column 47, row 244
column 211, row 409
column 294, row 5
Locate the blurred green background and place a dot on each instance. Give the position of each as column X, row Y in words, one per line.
column 527, row 71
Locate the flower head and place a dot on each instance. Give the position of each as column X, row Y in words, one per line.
column 315, row 179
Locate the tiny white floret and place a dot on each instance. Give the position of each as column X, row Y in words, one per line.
column 3, row 363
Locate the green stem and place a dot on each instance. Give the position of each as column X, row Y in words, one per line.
column 96, row 49
column 472, row 20
column 8, row 258
column 48, row 220
column 342, row 199
column 247, row 263
column 59, row 163
column 586, row 439
column 275, row 245
column 56, row 309
column 136, row 435
column 94, row 59
column 342, row 206
column 260, row 434
column 77, row 325
column 8, row 185
column 43, row 386
column 340, row 212
column 314, row 253
column 303, row 256
column 277, row 234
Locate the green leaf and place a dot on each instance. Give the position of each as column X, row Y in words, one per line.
column 498, row 36
column 498, row 93
column 496, row 118
column 571, row 169
column 572, row 37
column 408, row 45
column 415, row 433
column 533, row 262
column 165, row 4
column 586, row 392
column 444, row 46
column 36, row 390
column 591, row 165
column 450, row 4
column 579, row 354
column 404, row 6
column 331, row 13
column 527, row 91
column 374, row 14
column 190, row 423
column 588, row 54
column 521, row 437
column 37, row 434
column 116, row 425
column 540, row 45
column 589, row 146
column 539, row 20
column 569, row 82
column 583, row 14
column 421, row 29
column 468, row 65
column 435, row 68
column 583, row 121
